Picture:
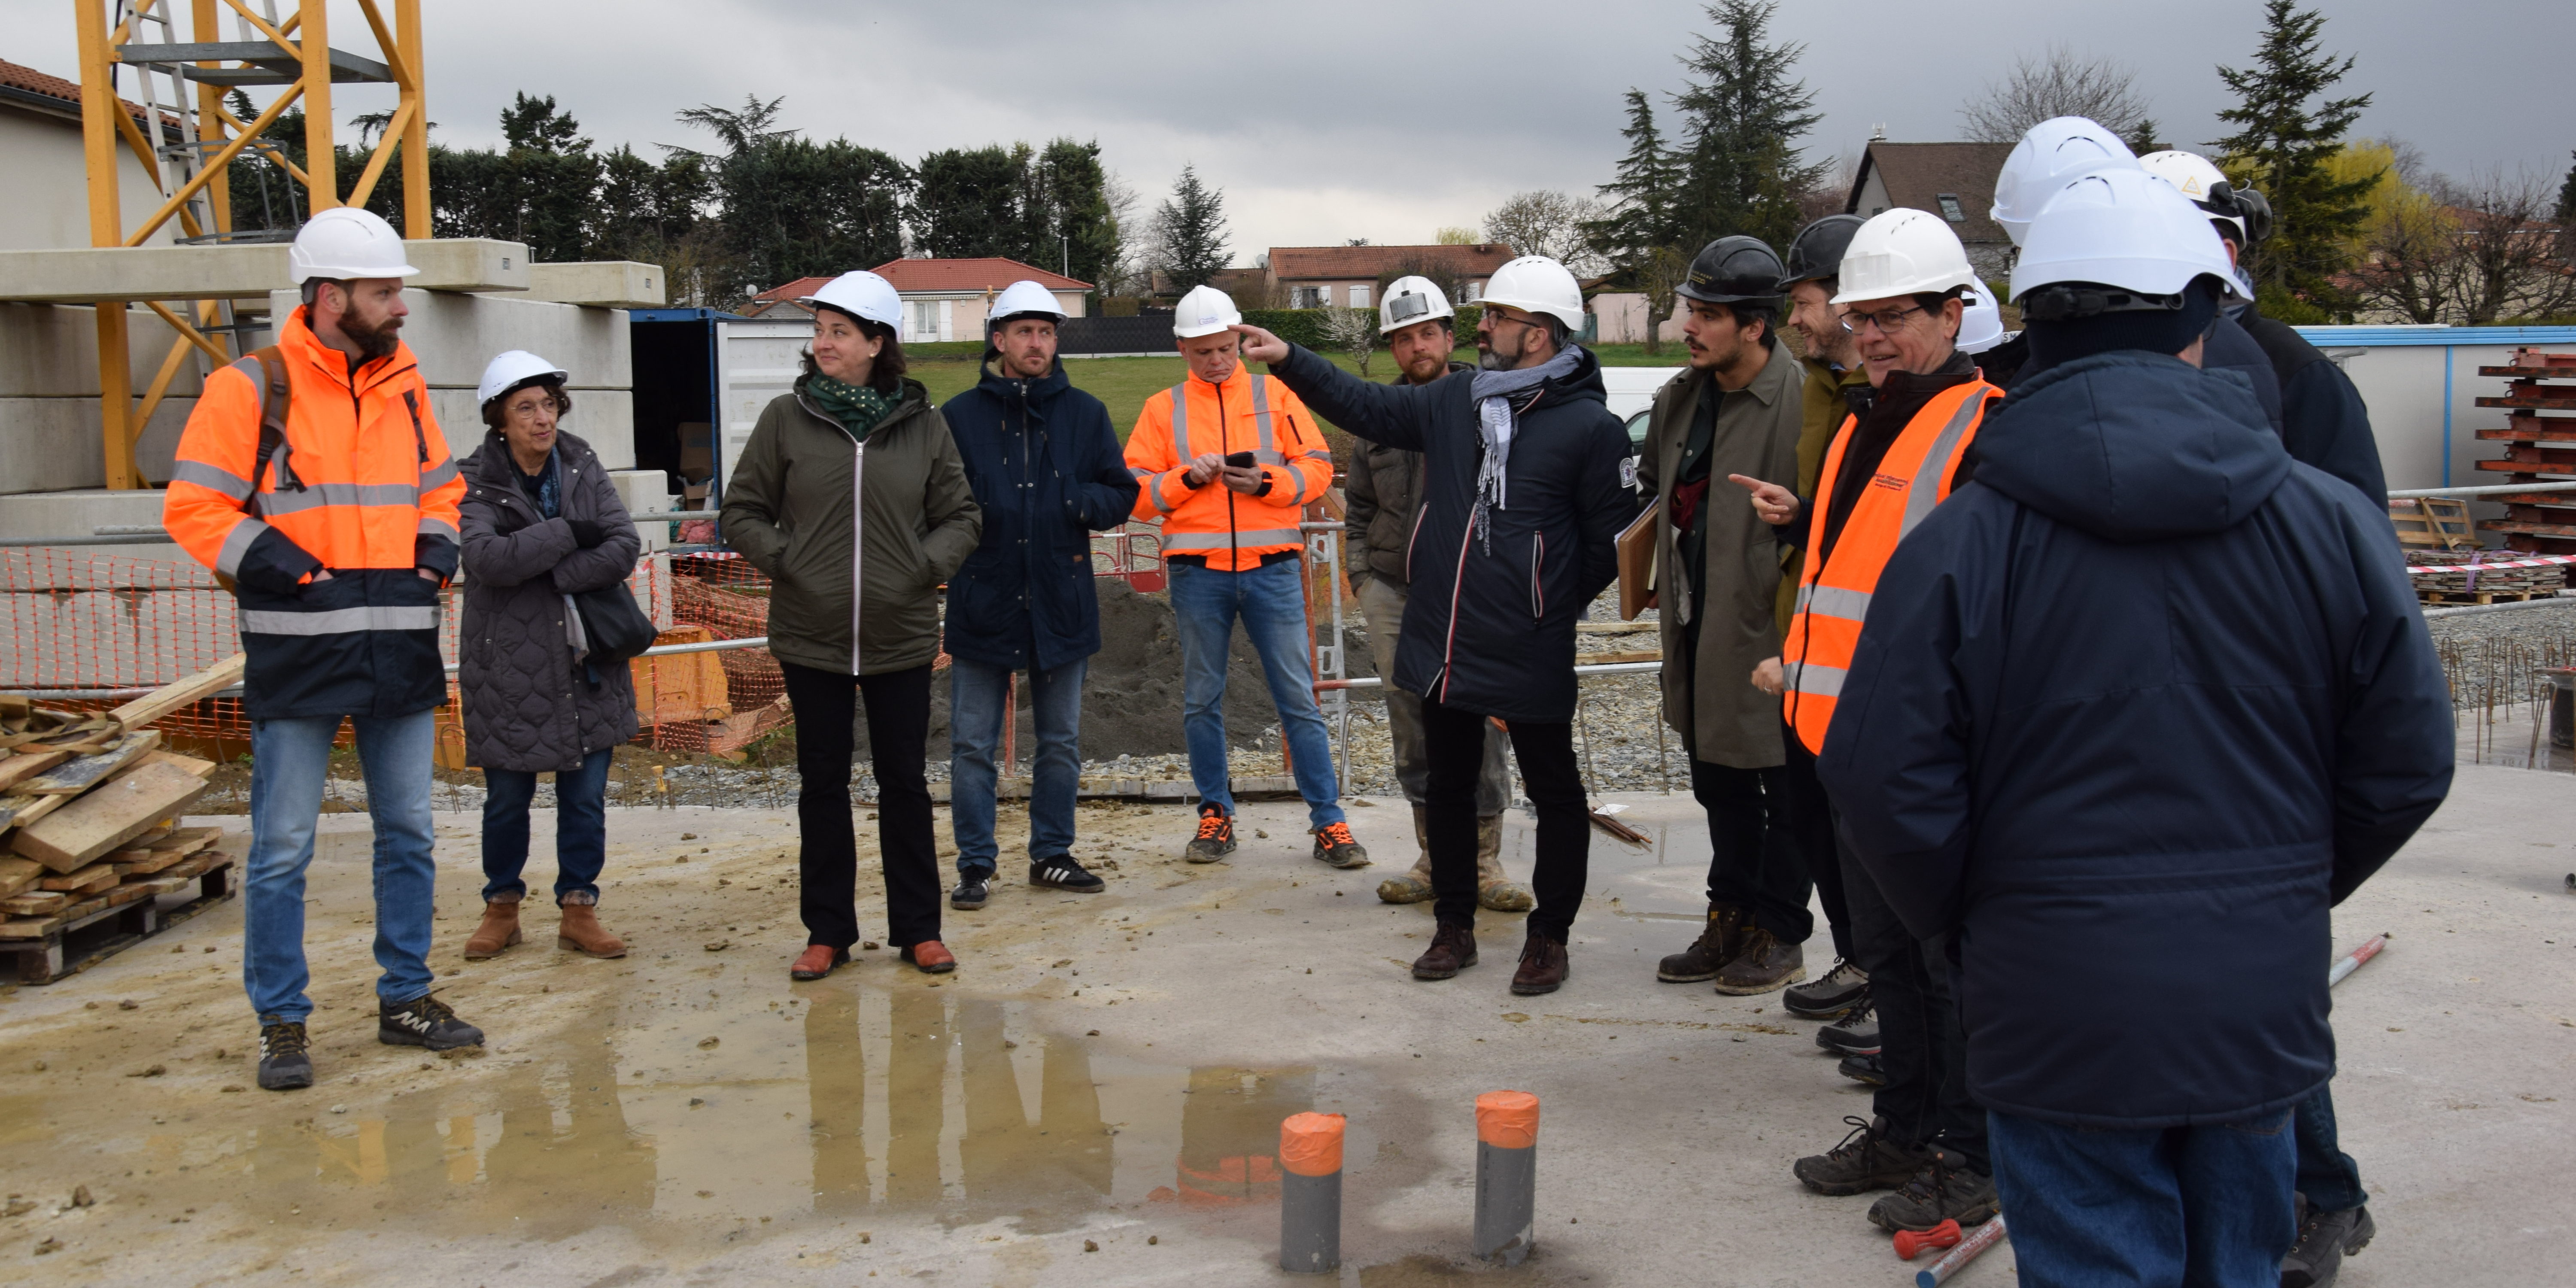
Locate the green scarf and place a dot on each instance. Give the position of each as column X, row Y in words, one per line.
column 859, row 408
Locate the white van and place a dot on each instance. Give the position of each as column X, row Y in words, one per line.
column 1631, row 393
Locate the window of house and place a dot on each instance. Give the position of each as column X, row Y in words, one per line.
column 925, row 319
column 1306, row 297
column 1359, row 297
column 1950, row 208
column 1475, row 291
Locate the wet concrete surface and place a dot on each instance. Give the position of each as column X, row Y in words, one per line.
column 1108, row 1072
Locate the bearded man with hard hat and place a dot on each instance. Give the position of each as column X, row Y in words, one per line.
column 2081, row 743
column 1382, row 498
column 1227, row 460
column 1527, row 486
column 313, row 479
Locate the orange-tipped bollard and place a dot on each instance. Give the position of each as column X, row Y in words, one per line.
column 1310, row 1193
column 1910, row 1242
column 1506, row 1175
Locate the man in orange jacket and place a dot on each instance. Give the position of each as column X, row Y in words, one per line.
column 1233, row 551
column 313, row 479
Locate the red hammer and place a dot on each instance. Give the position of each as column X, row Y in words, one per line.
column 1944, row 1235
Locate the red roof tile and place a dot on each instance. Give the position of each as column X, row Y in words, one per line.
column 1916, row 174
column 29, row 80
column 1340, row 263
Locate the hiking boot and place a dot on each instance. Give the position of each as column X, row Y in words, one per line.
column 1829, row 995
column 1709, row 953
column 1866, row 1160
column 1415, row 885
column 971, row 892
column 1543, row 966
column 580, row 931
column 1333, row 845
column 817, row 961
column 1062, row 872
column 930, row 957
column 1453, row 949
column 424, row 1021
column 1215, row 839
column 1945, row 1190
column 1494, row 888
column 2325, row 1239
column 1856, row 1033
column 285, row 1056
column 499, row 930
column 1867, row 1070
column 1761, row 965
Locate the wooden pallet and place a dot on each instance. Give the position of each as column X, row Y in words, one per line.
column 2438, row 522
column 93, row 930
column 2483, row 596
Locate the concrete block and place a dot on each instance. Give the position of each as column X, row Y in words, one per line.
column 51, row 351
column 615, row 284
column 604, row 418
column 453, row 335
column 54, row 444
column 206, row 272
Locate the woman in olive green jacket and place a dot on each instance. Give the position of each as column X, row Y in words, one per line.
column 850, row 495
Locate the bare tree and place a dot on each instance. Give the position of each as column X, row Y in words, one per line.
column 1832, row 189
column 1353, row 331
column 2469, row 252
column 1454, row 236
column 1658, row 274
column 2057, row 83
column 1550, row 223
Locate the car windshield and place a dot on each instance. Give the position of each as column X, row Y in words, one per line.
column 1637, row 431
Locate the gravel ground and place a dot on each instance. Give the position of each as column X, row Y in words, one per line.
column 2496, row 653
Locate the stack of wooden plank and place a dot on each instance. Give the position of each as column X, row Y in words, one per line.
column 2463, row 579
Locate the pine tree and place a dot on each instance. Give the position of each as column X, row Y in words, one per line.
column 1192, row 228
column 2567, row 198
column 1067, row 211
column 968, row 203
column 2286, row 134
column 1643, row 223
column 1746, row 114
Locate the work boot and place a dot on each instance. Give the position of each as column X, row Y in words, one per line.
column 1866, row 1160
column 2325, row 1239
column 499, row 930
column 1064, row 872
column 1415, row 885
column 1543, row 966
column 1829, row 995
column 1867, row 1070
column 1717, row 944
column 581, row 932
column 1215, row 839
column 1453, row 949
column 1945, row 1190
column 424, row 1021
column 1494, row 888
column 285, row 1056
column 1856, row 1033
column 1334, row 846
column 1762, row 964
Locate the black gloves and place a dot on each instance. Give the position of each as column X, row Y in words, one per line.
column 585, row 533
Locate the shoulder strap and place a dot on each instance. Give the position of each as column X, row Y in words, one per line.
column 419, row 440
column 276, row 397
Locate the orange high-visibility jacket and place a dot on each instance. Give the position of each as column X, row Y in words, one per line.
column 1244, row 413
column 363, row 487
column 1834, row 591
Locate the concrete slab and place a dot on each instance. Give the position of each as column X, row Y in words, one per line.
column 454, row 334
column 51, row 351
column 615, row 284
column 54, row 444
column 207, row 272
column 688, row 1114
column 605, row 418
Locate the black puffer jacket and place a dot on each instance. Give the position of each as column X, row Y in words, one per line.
column 1490, row 625
column 528, row 706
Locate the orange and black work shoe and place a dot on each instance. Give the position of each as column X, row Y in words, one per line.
column 1215, row 839
column 1333, row 845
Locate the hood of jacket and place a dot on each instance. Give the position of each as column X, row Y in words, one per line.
column 1583, row 383
column 2133, row 446
column 1042, row 390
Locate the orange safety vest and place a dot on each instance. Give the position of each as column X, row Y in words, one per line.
column 1834, row 591
column 1245, row 412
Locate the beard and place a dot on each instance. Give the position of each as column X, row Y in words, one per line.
column 373, row 341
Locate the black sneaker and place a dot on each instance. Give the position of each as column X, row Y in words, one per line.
column 424, row 1021
column 1863, row 1069
column 285, row 1056
column 1866, row 1160
column 1945, row 1190
column 2325, row 1239
column 970, row 893
column 1834, row 993
column 1856, row 1033
column 1062, row 872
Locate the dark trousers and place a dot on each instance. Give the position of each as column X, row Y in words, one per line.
column 1753, row 859
column 581, row 829
column 1454, row 741
column 1920, row 1042
column 898, row 706
column 2327, row 1175
column 1809, row 820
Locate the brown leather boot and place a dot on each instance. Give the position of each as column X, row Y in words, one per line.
column 1761, row 965
column 581, row 932
column 1453, row 949
column 1494, row 888
column 1414, row 886
column 1543, row 966
column 1718, row 943
column 499, row 930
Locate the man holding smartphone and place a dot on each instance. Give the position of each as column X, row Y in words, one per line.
column 1227, row 460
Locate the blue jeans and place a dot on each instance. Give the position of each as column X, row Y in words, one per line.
column 581, row 829
column 1272, row 603
column 2327, row 1175
column 289, row 759
column 2176, row 1207
column 975, row 716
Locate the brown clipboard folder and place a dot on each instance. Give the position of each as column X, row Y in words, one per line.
column 1637, row 563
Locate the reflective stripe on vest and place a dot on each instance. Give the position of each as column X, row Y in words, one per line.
column 1834, row 591
column 340, row 621
column 1220, row 541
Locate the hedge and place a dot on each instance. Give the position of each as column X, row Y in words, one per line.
column 1306, row 326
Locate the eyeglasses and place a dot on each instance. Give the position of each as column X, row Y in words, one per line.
column 1886, row 320
column 1498, row 316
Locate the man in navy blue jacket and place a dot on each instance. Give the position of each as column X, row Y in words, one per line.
column 2129, row 714
column 1046, row 468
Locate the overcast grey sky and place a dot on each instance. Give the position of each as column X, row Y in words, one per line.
column 1324, row 120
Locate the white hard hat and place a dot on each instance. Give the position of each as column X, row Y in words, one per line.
column 1537, row 284
column 345, row 243
column 2199, row 182
column 2125, row 229
column 1204, row 311
column 513, row 369
column 1410, row 300
column 2051, row 155
column 1023, row 297
column 861, row 294
column 1981, row 323
column 1903, row 252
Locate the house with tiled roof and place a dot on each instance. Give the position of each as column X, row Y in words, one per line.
column 943, row 299
column 1953, row 180
column 48, row 169
column 1308, row 277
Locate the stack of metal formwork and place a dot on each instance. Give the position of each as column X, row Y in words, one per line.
column 2539, row 447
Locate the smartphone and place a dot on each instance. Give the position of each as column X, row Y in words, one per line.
column 1239, row 460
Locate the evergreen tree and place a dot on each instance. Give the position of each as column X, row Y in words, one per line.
column 796, row 208
column 1744, row 169
column 1192, row 228
column 1067, row 207
column 2567, row 198
column 534, row 125
column 967, row 204
column 1639, row 234
column 2286, row 135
